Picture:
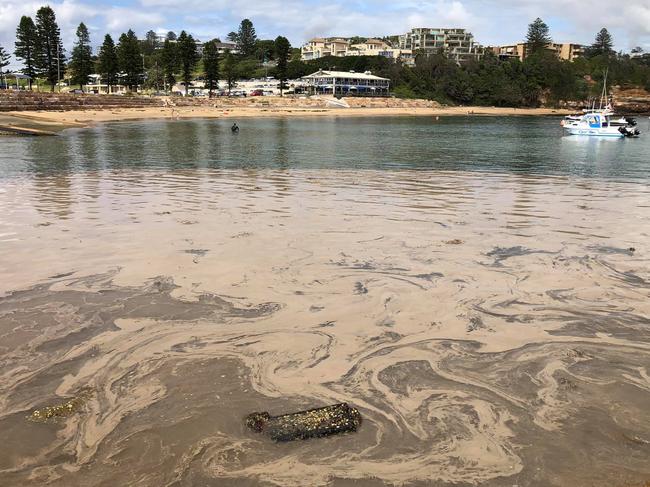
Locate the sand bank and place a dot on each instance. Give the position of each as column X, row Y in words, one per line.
column 88, row 117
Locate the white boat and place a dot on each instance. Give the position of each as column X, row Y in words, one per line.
column 336, row 103
column 600, row 122
column 597, row 124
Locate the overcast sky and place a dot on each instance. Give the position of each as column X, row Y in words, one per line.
column 492, row 21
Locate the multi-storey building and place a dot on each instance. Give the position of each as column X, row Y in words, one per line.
column 340, row 47
column 320, row 47
column 565, row 51
column 376, row 47
column 458, row 44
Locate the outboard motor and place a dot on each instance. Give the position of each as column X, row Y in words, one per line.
column 630, row 121
column 629, row 131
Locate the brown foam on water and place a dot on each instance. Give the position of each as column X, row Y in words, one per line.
column 486, row 326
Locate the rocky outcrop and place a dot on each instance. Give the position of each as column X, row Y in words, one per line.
column 631, row 100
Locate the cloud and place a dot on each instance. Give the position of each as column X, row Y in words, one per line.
column 69, row 13
column 491, row 21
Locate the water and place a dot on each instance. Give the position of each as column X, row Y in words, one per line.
column 516, row 145
column 477, row 287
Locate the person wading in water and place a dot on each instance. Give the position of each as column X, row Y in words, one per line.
column 234, row 128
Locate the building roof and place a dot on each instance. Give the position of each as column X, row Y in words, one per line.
column 343, row 74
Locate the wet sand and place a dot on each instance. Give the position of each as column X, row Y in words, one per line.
column 75, row 118
column 492, row 329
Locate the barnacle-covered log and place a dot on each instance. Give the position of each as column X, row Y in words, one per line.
column 313, row 423
column 62, row 410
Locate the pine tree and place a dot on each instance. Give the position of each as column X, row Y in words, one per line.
column 230, row 70
column 81, row 62
column 187, row 56
column 211, row 65
column 538, row 36
column 51, row 56
column 602, row 45
column 26, row 47
column 282, row 50
column 150, row 43
column 171, row 36
column 169, row 60
column 107, row 63
column 4, row 58
column 130, row 59
column 246, row 38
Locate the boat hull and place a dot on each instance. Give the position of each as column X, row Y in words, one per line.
column 594, row 132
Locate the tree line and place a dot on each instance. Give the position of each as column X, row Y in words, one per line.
column 540, row 79
column 133, row 62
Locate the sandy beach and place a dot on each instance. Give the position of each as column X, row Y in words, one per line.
column 261, row 108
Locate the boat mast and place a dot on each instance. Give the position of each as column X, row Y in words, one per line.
column 603, row 94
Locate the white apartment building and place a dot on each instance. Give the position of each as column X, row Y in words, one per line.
column 458, row 44
column 340, row 47
column 324, row 46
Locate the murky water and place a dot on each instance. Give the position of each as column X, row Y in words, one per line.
column 478, row 288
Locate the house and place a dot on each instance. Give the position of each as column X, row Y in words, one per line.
column 346, row 83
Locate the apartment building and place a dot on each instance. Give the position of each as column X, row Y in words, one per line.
column 341, row 47
column 566, row 51
column 377, row 47
column 458, row 44
column 324, row 46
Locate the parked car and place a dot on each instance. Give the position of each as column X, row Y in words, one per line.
column 256, row 93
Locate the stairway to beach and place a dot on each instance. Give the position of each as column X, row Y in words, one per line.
column 11, row 100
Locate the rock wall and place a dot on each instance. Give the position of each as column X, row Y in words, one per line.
column 301, row 102
column 11, row 100
column 25, row 100
column 631, row 100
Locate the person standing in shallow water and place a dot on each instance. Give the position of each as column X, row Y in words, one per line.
column 234, row 128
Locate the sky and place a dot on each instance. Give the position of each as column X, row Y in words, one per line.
column 492, row 22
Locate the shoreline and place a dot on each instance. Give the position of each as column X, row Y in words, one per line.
column 53, row 120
